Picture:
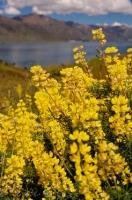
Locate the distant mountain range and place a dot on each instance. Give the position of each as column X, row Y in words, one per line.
column 40, row 28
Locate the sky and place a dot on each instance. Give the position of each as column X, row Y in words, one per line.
column 113, row 12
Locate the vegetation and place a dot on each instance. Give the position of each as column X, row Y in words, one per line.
column 70, row 137
column 12, row 79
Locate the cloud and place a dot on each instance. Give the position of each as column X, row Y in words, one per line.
column 38, row 11
column 11, row 11
column 8, row 10
column 117, row 24
column 120, row 24
column 90, row 7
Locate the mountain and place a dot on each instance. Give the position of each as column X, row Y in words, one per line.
column 40, row 28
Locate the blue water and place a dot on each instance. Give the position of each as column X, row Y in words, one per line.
column 48, row 53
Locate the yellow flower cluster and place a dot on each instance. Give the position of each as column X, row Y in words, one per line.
column 76, row 83
column 111, row 164
column 129, row 50
column 121, row 121
column 117, row 72
column 80, row 58
column 129, row 61
column 110, row 50
column 6, row 132
column 16, row 129
column 86, row 167
column 49, row 170
column 17, row 136
column 11, row 182
column 67, row 134
column 99, row 35
column 39, row 77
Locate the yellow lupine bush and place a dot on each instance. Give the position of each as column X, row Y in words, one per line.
column 64, row 132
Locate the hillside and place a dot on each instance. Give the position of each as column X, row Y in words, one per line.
column 39, row 28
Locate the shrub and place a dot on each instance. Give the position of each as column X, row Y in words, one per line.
column 74, row 140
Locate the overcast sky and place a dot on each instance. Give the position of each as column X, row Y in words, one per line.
column 84, row 11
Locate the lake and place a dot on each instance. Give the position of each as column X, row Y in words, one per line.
column 48, row 53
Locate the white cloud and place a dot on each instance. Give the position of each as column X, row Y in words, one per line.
column 11, row 11
column 36, row 10
column 117, row 24
column 121, row 24
column 91, row 7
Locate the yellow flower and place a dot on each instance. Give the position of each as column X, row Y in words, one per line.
column 79, row 136
column 73, row 148
column 99, row 35
column 84, row 149
column 119, row 100
column 11, row 182
column 110, row 50
column 129, row 50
